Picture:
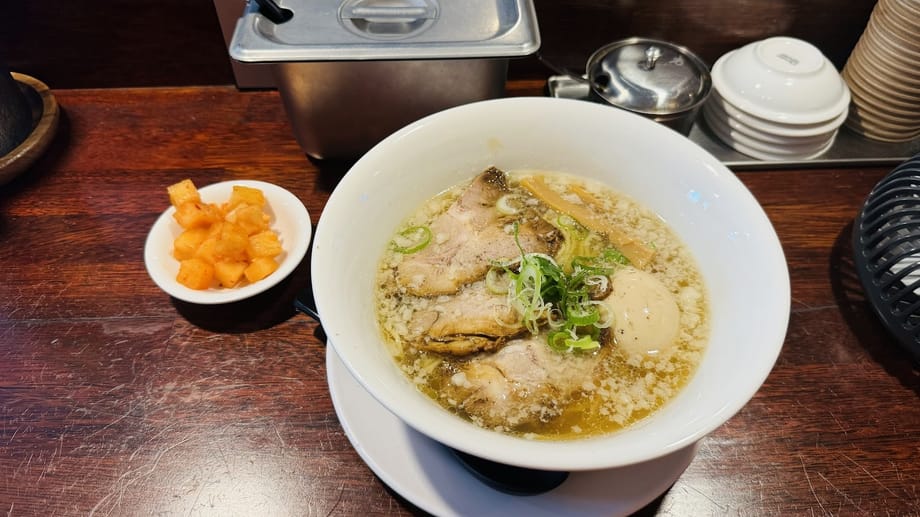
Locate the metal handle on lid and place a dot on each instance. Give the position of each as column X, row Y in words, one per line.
column 386, row 12
column 652, row 55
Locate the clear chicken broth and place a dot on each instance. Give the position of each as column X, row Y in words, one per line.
column 515, row 383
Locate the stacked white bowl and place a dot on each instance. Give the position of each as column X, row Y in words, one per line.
column 777, row 99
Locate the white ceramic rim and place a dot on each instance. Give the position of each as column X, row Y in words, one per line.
column 776, row 128
column 289, row 219
column 738, row 140
column 765, row 156
column 819, row 116
column 367, row 188
column 716, row 111
column 430, row 477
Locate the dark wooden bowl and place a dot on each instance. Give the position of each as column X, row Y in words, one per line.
column 45, row 114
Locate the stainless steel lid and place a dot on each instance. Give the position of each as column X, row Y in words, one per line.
column 352, row 30
column 649, row 76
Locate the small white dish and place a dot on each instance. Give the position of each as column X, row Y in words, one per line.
column 289, row 219
column 763, row 150
column 761, row 154
column 716, row 111
column 795, row 149
column 782, row 79
column 429, row 476
column 776, row 128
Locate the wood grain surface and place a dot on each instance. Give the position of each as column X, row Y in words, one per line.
column 117, row 400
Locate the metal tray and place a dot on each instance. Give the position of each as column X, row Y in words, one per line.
column 363, row 30
column 849, row 148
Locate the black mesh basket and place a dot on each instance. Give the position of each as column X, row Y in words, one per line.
column 886, row 248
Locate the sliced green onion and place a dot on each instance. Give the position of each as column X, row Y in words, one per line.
column 567, row 341
column 411, row 240
column 556, row 340
column 581, row 315
column 541, row 292
column 582, row 343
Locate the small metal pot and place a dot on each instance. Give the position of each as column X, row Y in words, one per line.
column 656, row 79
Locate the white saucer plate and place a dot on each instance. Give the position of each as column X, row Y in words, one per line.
column 427, row 474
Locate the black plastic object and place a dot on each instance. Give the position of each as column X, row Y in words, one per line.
column 273, row 11
column 305, row 303
column 886, row 248
column 510, row 479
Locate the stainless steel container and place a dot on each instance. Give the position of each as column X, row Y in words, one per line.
column 351, row 72
column 656, row 79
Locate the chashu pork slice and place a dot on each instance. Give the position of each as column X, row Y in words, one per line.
column 525, row 382
column 469, row 237
column 471, row 320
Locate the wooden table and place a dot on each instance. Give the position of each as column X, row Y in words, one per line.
column 116, row 399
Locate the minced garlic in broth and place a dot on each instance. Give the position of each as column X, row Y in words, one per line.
column 622, row 388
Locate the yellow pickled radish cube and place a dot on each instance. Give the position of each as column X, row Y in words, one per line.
column 264, row 244
column 229, row 273
column 248, row 195
column 250, row 217
column 194, row 214
column 195, row 273
column 207, row 250
column 182, row 192
column 226, row 243
column 232, row 242
column 259, row 268
column 187, row 243
column 214, row 229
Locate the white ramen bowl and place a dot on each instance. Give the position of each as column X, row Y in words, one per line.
column 781, row 79
column 735, row 245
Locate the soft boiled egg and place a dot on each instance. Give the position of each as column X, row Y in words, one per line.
column 646, row 314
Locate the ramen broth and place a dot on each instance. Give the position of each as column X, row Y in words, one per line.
column 479, row 361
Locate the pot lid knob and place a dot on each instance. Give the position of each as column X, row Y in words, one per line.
column 649, row 76
column 652, row 54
